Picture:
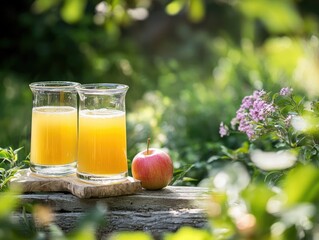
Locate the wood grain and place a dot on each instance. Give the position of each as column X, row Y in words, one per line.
column 157, row 212
column 166, row 199
column 34, row 183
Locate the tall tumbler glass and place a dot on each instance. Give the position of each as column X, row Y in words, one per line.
column 102, row 156
column 54, row 128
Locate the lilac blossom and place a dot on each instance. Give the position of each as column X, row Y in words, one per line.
column 285, row 91
column 254, row 109
column 258, row 94
column 248, row 128
column 247, row 102
column 260, row 110
column 223, row 130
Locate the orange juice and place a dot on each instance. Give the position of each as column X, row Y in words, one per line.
column 53, row 135
column 102, row 142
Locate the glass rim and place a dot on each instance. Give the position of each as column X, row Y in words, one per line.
column 96, row 88
column 54, row 85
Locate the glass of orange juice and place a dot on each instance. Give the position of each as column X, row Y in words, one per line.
column 54, row 128
column 102, row 156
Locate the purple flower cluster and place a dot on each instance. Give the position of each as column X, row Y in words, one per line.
column 285, row 91
column 253, row 112
column 223, row 130
column 253, row 109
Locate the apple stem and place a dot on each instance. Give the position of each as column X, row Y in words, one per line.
column 148, row 146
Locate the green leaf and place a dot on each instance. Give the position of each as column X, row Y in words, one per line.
column 283, row 53
column 196, row 10
column 86, row 232
column 112, row 29
column 301, row 185
column 256, row 197
column 4, row 154
column 17, row 150
column 188, row 179
column 8, row 202
column 73, row 10
column 189, row 233
column 278, row 16
column 179, row 174
column 131, row 235
column 115, row 3
column 40, row 6
column 175, row 7
column 243, row 149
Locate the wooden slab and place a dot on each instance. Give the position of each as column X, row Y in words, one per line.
column 156, row 212
column 31, row 182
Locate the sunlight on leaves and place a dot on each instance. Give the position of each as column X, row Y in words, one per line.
column 307, row 123
column 283, row 54
column 131, row 235
column 40, row 6
column 258, row 195
column 299, row 123
column 301, row 185
column 138, row 13
column 73, row 10
column 85, row 233
column 232, row 179
column 8, row 201
column 189, row 233
column 307, row 71
column 175, row 7
column 273, row 160
column 278, row 16
column 298, row 214
column 112, row 29
column 196, row 10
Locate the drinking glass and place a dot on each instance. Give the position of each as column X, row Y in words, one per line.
column 102, row 156
column 54, row 128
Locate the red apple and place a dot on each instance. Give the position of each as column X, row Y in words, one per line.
column 153, row 167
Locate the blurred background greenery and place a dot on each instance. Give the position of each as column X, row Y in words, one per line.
column 188, row 63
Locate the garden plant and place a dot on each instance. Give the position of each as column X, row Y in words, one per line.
column 228, row 88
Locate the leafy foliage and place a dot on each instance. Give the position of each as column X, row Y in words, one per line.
column 185, row 78
column 9, row 165
column 283, row 122
column 261, row 211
